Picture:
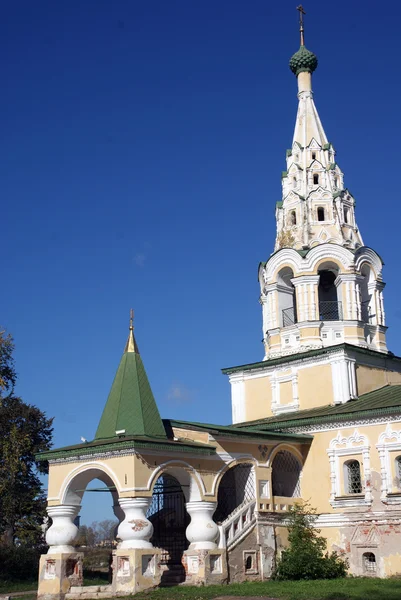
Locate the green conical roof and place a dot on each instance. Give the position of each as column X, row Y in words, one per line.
column 131, row 406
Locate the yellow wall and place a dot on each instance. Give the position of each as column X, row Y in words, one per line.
column 315, row 387
column 258, row 398
column 369, row 378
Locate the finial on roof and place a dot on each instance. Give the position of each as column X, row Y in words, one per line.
column 301, row 23
column 303, row 61
column 131, row 346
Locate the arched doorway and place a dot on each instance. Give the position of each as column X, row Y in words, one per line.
column 286, row 470
column 169, row 518
column 95, row 496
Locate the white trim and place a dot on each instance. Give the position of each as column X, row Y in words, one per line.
column 389, row 441
column 356, row 443
column 238, row 398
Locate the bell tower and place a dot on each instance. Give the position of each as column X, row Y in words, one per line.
column 322, row 285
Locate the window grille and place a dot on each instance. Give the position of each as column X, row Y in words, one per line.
column 285, row 475
column 237, row 487
column 354, row 482
column 369, row 562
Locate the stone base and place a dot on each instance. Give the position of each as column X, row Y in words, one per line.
column 57, row 573
column 205, row 567
column 135, row 570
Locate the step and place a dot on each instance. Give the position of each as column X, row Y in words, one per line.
column 88, row 595
column 82, row 592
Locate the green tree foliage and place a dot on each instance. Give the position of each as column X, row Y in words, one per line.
column 307, row 556
column 24, row 431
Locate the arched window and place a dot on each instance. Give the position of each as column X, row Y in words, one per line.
column 398, row 471
column 293, row 217
column 285, row 475
column 313, row 155
column 294, row 182
column 346, row 214
column 237, row 487
column 369, row 562
column 352, row 477
column 336, row 182
column 320, row 213
column 315, row 179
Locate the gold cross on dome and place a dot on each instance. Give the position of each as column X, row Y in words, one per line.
column 302, row 12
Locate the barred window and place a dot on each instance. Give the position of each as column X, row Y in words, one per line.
column 352, row 476
column 285, row 475
column 369, row 562
column 398, row 471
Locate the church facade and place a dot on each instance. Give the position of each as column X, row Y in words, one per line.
column 318, row 418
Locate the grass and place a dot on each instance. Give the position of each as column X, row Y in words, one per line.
column 17, row 586
column 334, row 589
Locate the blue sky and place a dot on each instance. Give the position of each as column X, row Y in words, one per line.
column 142, row 147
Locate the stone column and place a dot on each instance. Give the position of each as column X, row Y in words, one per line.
column 63, row 532
column 135, row 530
column 136, row 563
column 202, row 531
column 61, row 567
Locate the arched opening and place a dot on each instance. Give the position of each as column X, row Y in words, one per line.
column 330, row 309
column 294, row 182
column 352, row 477
column 313, row 155
column 316, row 180
column 170, row 519
column 346, row 214
column 287, row 302
column 237, row 488
column 320, row 214
column 367, row 299
column 286, row 470
column 100, row 514
column 369, row 563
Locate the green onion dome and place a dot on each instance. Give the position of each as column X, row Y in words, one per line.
column 303, row 60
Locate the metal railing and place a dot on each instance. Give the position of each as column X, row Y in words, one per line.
column 330, row 310
column 289, row 316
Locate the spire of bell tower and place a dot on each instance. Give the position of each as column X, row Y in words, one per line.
column 315, row 207
column 321, row 286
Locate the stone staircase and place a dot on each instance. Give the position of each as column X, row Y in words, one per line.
column 237, row 525
column 86, row 592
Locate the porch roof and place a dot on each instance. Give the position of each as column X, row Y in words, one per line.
column 126, row 442
column 232, row 431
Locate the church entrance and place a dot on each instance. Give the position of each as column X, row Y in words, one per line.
column 170, row 520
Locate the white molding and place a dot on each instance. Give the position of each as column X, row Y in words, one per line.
column 238, row 398
column 389, row 441
column 356, row 443
column 344, row 424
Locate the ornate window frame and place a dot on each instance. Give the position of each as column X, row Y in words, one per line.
column 276, row 379
column 352, row 446
column 389, row 441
